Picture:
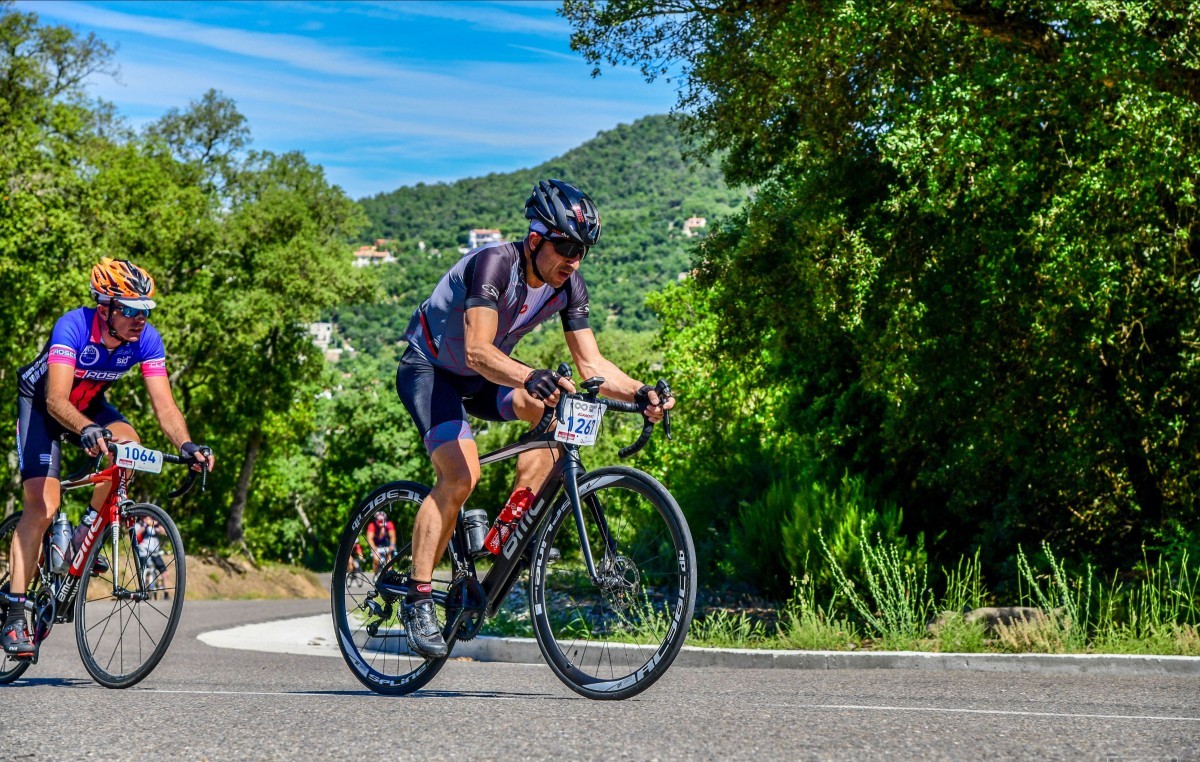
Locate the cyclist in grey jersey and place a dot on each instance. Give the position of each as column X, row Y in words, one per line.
column 492, row 276
column 458, row 362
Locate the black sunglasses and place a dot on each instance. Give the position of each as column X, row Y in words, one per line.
column 568, row 249
column 132, row 312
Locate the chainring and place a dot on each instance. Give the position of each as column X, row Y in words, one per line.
column 465, row 594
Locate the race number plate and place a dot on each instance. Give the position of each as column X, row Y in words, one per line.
column 580, row 422
column 130, row 455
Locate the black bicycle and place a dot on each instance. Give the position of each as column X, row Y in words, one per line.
column 609, row 603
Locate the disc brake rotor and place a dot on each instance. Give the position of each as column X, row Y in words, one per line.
column 619, row 582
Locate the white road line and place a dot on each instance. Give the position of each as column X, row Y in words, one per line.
column 839, row 707
column 1009, row 712
column 432, row 693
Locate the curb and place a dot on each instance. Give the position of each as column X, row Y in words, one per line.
column 314, row 636
column 526, row 651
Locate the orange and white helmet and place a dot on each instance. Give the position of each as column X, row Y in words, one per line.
column 124, row 282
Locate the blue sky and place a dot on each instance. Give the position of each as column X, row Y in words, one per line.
column 382, row 94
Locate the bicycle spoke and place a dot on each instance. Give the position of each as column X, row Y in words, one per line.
column 612, row 636
column 366, row 617
column 122, row 642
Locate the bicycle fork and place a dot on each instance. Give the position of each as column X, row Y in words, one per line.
column 572, row 471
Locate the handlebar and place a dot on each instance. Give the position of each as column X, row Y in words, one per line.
column 94, row 466
column 592, row 394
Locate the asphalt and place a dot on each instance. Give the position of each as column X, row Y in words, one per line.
column 314, row 636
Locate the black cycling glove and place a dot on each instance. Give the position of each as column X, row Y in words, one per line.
column 189, row 450
column 642, row 396
column 541, row 383
column 92, row 435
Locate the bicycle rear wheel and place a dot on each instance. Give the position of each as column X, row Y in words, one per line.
column 10, row 668
column 121, row 630
column 366, row 596
column 614, row 638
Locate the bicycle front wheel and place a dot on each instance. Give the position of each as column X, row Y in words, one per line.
column 367, row 593
column 613, row 637
column 123, row 625
column 10, row 668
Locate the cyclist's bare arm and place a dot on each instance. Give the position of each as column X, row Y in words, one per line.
column 485, row 359
column 59, row 380
column 170, row 419
column 586, row 354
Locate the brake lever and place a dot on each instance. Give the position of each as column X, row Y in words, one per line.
column 207, row 453
column 664, row 393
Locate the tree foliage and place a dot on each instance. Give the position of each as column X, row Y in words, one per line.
column 246, row 248
column 972, row 269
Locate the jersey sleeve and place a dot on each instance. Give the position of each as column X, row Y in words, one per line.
column 487, row 277
column 575, row 314
column 153, row 357
column 68, row 338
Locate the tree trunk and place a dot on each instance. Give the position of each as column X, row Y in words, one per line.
column 233, row 530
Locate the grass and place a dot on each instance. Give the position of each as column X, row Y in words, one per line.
column 888, row 603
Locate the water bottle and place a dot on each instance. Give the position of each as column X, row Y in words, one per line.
column 81, row 531
column 60, row 544
column 519, row 502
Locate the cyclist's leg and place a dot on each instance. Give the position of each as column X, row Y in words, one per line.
column 533, row 466
column 42, row 498
column 38, row 456
column 434, row 400
column 38, row 452
column 456, row 464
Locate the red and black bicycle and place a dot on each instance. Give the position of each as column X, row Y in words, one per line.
column 125, row 608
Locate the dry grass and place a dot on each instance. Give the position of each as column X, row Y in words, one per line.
column 215, row 578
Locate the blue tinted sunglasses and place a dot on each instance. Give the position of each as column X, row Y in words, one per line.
column 568, row 249
column 132, row 312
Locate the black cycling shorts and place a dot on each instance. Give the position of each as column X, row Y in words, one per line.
column 39, row 452
column 439, row 401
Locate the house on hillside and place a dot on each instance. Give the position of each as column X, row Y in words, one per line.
column 377, row 254
column 691, row 224
column 480, row 236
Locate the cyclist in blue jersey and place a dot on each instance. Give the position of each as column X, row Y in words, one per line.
column 457, row 363
column 61, row 396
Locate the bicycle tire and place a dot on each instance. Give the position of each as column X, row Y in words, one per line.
column 121, row 640
column 10, row 668
column 373, row 642
column 614, row 641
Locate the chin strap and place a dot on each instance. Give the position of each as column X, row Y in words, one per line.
column 532, row 259
column 113, row 331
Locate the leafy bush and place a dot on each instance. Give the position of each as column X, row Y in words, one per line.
column 777, row 533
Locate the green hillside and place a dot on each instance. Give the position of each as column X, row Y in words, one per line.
column 636, row 174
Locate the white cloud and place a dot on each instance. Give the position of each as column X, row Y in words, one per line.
column 372, row 119
column 292, row 50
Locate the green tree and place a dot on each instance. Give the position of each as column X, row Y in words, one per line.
column 971, row 268
column 49, row 134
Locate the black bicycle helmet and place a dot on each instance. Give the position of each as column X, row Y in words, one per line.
column 566, row 210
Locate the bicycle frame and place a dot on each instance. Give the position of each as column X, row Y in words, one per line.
column 564, row 477
column 108, row 516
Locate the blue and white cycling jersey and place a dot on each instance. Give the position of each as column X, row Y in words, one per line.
column 78, row 340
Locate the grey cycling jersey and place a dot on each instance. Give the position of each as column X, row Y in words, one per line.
column 491, row 276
